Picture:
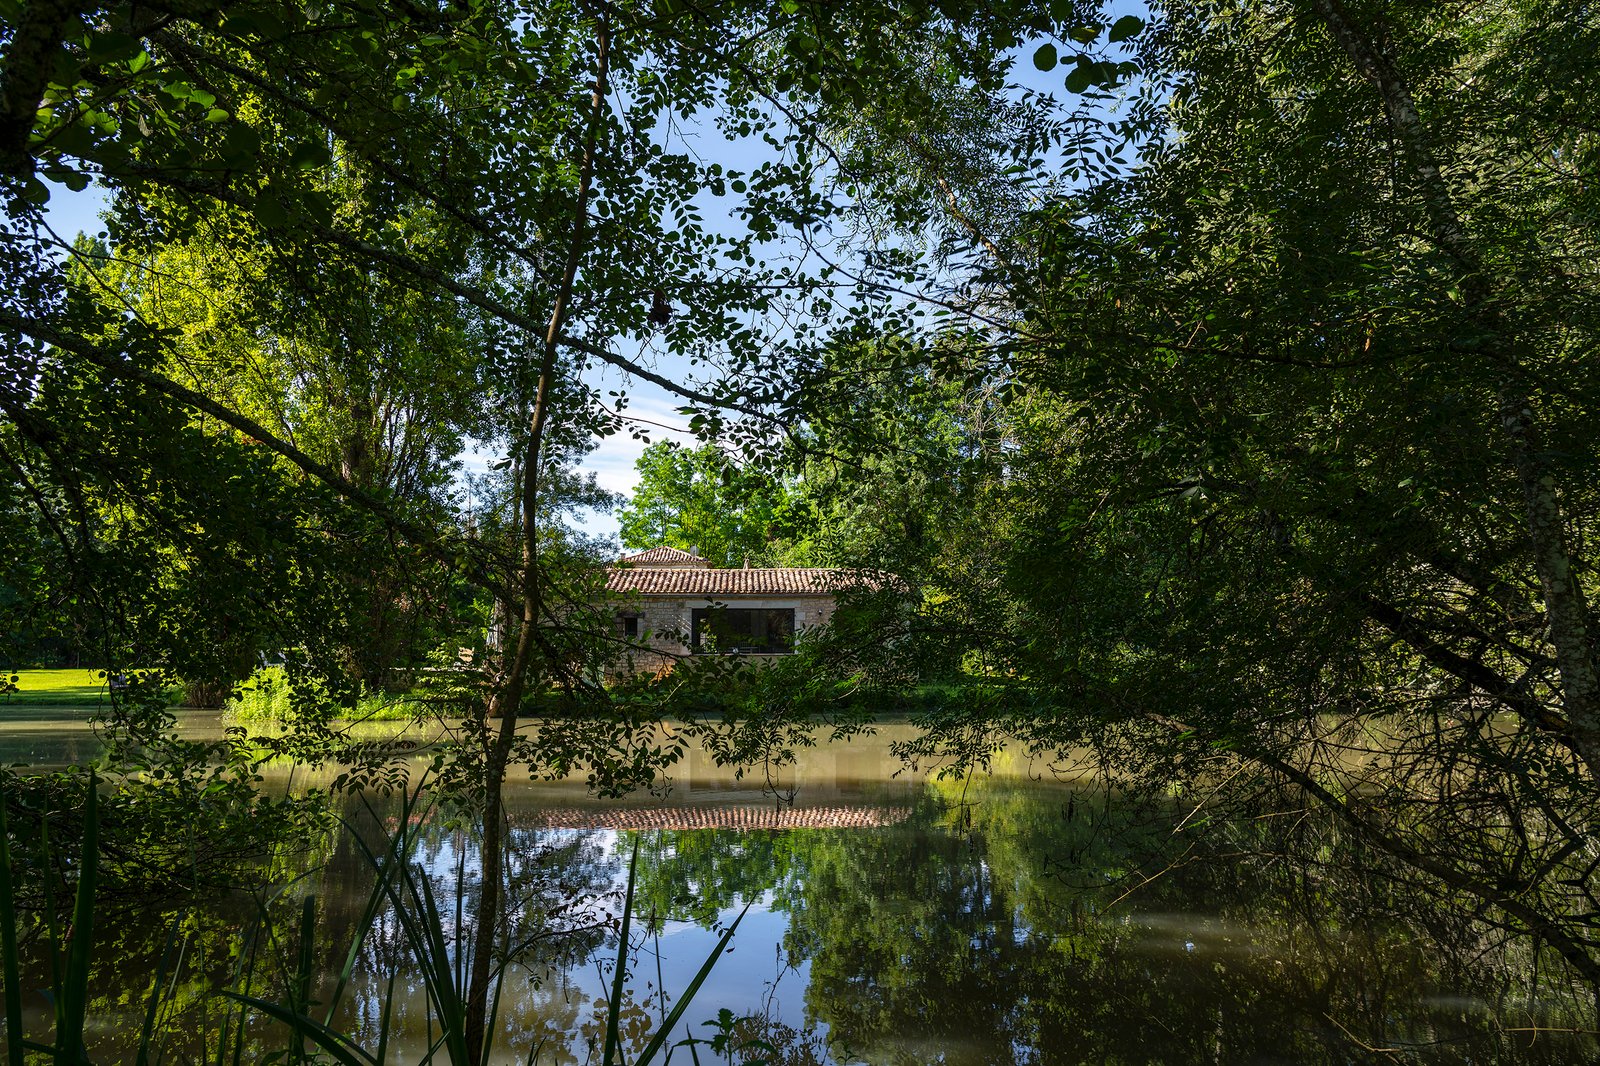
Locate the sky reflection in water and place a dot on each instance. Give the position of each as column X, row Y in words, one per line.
column 995, row 920
column 1002, row 919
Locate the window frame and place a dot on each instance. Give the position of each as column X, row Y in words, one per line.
column 700, row 617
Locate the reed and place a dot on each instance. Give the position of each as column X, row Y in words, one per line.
column 400, row 887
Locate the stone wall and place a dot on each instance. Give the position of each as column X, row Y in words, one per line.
column 664, row 624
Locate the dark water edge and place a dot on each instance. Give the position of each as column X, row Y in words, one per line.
column 1008, row 918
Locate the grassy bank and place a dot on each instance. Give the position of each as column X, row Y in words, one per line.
column 59, row 688
column 66, row 688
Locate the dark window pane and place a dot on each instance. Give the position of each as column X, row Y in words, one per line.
column 758, row 630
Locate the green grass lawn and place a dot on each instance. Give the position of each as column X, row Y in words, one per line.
column 65, row 688
column 87, row 688
column 58, row 688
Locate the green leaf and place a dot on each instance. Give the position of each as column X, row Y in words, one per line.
column 1126, row 27
column 687, row 995
column 269, row 209
column 256, row 23
column 73, row 1002
column 113, row 47
column 1078, row 80
column 154, row 1002
column 317, row 206
column 76, row 139
column 1045, row 57
column 241, row 148
column 342, row 1048
column 310, row 155
column 614, row 1007
column 217, row 114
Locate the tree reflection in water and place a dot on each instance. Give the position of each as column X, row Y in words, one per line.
column 562, row 888
column 997, row 922
column 1034, row 925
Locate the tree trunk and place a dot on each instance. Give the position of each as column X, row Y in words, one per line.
column 507, row 700
column 1566, row 609
column 1566, row 612
column 24, row 73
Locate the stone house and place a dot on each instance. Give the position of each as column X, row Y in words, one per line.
column 673, row 604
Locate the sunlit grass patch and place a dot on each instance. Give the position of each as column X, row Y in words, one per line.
column 64, row 688
column 59, row 688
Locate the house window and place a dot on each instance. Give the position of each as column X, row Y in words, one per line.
column 628, row 626
column 761, row 631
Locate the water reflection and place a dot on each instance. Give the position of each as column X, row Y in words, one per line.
column 998, row 920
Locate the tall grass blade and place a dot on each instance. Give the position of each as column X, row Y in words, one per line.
column 248, row 972
column 688, row 994
column 397, row 852
column 460, row 904
column 494, row 1013
column 411, row 894
column 341, row 1047
column 10, row 954
column 223, row 1033
column 304, row 970
column 265, row 931
column 429, row 933
column 433, row 1049
column 52, row 927
column 153, row 1008
column 383, row 1023
column 73, row 1001
column 307, row 961
column 614, row 1008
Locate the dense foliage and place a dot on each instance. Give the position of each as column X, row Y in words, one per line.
column 344, row 239
column 1229, row 420
column 1274, row 462
column 697, row 499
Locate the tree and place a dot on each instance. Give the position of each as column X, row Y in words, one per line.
column 367, row 377
column 515, row 163
column 1299, row 492
column 697, row 499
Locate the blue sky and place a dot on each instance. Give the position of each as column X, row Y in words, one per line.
column 653, row 409
column 613, row 460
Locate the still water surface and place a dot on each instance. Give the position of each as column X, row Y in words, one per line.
column 894, row 917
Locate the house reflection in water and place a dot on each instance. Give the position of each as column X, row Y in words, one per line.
column 859, row 785
column 736, row 817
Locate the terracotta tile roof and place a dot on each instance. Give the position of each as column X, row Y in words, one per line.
column 663, row 556
column 685, row 581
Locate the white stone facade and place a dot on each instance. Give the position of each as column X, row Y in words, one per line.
column 657, row 592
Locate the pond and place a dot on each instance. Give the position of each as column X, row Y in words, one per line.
column 890, row 916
